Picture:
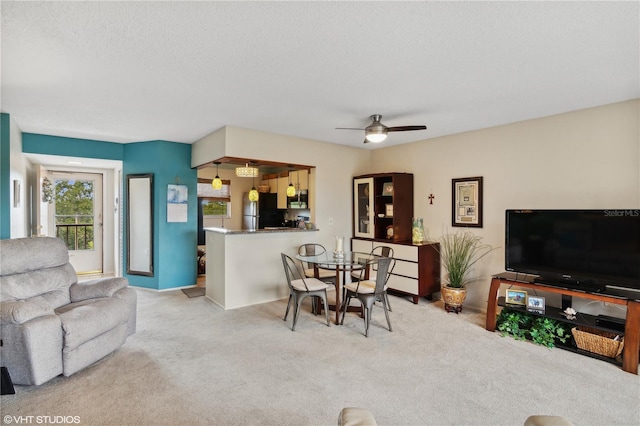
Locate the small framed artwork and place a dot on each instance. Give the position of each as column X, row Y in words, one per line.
column 388, row 210
column 387, row 188
column 516, row 297
column 177, row 203
column 535, row 304
column 466, row 199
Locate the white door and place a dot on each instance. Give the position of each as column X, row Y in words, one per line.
column 76, row 218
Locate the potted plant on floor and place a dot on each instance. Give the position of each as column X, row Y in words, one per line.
column 459, row 251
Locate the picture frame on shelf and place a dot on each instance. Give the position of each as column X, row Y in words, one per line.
column 388, row 210
column 387, row 188
column 516, row 297
column 536, row 304
column 467, row 202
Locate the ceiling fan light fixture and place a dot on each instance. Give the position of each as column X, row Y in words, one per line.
column 376, row 137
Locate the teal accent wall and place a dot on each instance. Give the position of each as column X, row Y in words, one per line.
column 175, row 243
column 71, row 147
column 5, row 176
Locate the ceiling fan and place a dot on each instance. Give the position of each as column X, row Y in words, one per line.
column 377, row 132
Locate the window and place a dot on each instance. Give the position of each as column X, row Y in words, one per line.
column 215, row 203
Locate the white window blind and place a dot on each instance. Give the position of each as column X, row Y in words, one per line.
column 206, row 190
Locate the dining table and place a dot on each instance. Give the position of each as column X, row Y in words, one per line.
column 341, row 263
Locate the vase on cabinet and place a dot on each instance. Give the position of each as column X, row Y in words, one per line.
column 417, row 231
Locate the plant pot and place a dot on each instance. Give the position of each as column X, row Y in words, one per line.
column 453, row 298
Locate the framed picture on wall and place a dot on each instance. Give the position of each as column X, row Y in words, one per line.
column 466, row 199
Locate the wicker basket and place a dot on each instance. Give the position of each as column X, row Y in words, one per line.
column 598, row 341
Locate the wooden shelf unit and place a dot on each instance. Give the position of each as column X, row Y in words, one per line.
column 631, row 350
column 369, row 202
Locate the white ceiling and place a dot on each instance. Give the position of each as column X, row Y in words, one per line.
column 177, row 71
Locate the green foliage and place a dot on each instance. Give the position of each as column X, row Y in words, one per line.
column 541, row 330
column 74, row 213
column 459, row 252
column 214, row 208
column 74, row 198
column 513, row 323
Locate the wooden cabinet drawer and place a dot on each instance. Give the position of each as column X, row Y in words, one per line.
column 404, row 252
column 407, row 285
column 408, row 269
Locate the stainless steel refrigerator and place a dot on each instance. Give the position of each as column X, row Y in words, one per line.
column 250, row 213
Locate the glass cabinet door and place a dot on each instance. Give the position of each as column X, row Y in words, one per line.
column 363, row 208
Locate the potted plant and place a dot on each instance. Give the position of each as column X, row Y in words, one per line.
column 459, row 251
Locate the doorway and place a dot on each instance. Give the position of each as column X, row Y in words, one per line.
column 76, row 217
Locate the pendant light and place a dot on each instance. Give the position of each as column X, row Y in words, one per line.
column 247, row 171
column 253, row 194
column 216, row 183
column 291, row 190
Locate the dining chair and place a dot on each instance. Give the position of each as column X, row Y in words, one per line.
column 368, row 291
column 301, row 287
column 382, row 251
column 313, row 249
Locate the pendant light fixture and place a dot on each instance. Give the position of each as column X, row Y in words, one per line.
column 216, row 183
column 291, row 190
column 247, row 171
column 253, row 194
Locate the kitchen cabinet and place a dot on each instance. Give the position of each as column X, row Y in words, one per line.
column 273, row 186
column 283, row 182
column 300, row 179
column 383, row 206
column 270, row 180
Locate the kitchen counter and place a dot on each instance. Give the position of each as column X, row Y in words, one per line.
column 258, row 231
column 245, row 267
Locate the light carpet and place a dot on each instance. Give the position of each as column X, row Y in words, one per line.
column 192, row 363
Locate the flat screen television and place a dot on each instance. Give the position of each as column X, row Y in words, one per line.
column 584, row 249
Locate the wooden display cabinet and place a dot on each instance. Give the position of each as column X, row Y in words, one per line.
column 383, row 206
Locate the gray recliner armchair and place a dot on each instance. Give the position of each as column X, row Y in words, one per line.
column 51, row 324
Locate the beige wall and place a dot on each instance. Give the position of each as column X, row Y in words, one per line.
column 330, row 181
column 582, row 159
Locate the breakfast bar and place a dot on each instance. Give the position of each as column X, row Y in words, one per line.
column 245, row 268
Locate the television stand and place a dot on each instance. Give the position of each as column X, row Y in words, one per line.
column 587, row 286
column 631, row 350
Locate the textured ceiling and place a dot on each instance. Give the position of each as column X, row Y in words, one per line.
column 177, row 71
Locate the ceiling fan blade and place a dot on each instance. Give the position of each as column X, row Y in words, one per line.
column 348, row 128
column 405, row 128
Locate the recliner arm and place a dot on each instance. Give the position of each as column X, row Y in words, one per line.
column 21, row 311
column 92, row 289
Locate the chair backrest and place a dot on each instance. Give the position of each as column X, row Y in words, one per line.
column 382, row 251
column 292, row 271
column 36, row 268
column 311, row 249
column 385, row 266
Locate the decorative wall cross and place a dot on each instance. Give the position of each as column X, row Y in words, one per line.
column 431, row 197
